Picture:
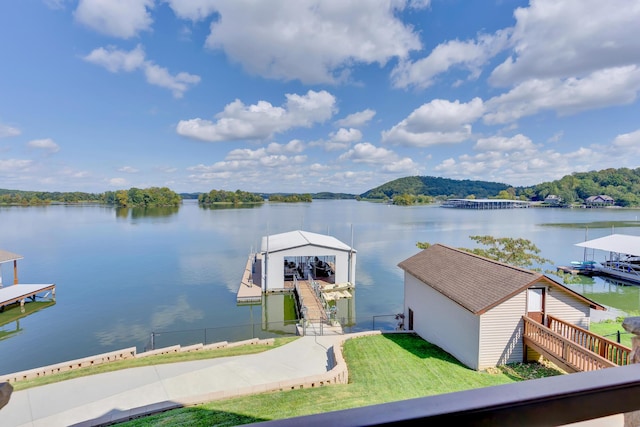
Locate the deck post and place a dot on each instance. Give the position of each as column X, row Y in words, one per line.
column 632, row 325
column 15, row 271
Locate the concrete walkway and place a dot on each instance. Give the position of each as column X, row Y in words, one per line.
column 117, row 396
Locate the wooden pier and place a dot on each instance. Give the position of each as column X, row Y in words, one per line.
column 249, row 292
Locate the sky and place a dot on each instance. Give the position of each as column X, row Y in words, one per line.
column 311, row 95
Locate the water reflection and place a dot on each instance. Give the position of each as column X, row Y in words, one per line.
column 164, row 318
column 619, row 297
column 10, row 318
column 227, row 206
column 150, row 212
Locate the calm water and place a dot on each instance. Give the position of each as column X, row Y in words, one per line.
column 121, row 274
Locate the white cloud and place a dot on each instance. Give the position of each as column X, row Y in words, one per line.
column 340, row 140
column 116, row 60
column 178, row 84
column 46, row 144
column 128, row 169
column 116, row 18
column 193, row 10
column 356, row 120
column 468, row 55
column 166, row 169
column 504, row 144
column 293, row 146
column 310, row 40
column 117, row 182
column 15, row 165
column 627, row 141
column 518, row 161
column 261, row 120
column 612, row 86
column 438, row 122
column 553, row 39
column 346, row 135
column 8, row 131
column 368, row 153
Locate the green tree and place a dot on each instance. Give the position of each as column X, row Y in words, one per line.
column 514, row 251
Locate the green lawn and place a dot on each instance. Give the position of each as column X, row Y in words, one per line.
column 609, row 329
column 382, row 368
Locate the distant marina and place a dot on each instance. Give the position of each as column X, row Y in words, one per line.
column 485, row 204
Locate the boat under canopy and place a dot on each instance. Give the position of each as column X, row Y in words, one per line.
column 619, row 243
column 623, row 261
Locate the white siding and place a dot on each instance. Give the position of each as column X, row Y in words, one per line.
column 567, row 307
column 501, row 333
column 441, row 321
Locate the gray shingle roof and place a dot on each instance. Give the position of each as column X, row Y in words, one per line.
column 474, row 282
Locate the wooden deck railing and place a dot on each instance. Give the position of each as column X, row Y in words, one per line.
column 561, row 350
column 610, row 350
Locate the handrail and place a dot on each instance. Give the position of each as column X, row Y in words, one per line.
column 610, row 350
column 570, row 353
column 303, row 307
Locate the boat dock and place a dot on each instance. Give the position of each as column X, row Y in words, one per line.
column 249, row 292
column 19, row 293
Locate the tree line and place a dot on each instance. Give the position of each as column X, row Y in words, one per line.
column 134, row 197
column 232, row 197
column 623, row 185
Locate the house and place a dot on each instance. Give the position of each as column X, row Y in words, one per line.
column 599, row 200
column 553, row 200
column 303, row 254
column 472, row 307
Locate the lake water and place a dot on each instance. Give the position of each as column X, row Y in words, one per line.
column 122, row 274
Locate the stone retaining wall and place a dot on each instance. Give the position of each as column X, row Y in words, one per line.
column 127, row 353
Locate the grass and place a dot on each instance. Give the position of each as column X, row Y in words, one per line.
column 382, row 368
column 150, row 360
column 610, row 328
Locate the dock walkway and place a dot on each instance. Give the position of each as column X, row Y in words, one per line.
column 249, row 291
column 310, row 300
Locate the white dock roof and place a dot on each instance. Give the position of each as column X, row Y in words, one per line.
column 6, row 256
column 620, row 243
column 298, row 238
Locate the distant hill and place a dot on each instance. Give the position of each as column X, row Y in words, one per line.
column 622, row 184
column 435, row 186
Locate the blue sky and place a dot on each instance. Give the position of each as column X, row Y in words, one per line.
column 309, row 96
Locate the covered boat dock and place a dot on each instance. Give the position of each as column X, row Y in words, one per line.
column 16, row 292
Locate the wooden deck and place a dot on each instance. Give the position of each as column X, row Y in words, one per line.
column 572, row 348
column 19, row 293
